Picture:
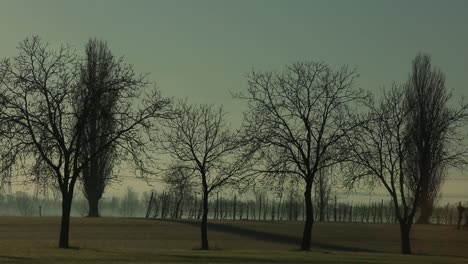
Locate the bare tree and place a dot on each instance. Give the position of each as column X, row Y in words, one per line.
column 429, row 126
column 200, row 140
column 295, row 118
column 383, row 155
column 38, row 91
column 380, row 151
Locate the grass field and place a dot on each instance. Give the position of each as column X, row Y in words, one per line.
column 118, row 240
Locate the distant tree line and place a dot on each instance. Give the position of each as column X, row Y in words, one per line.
column 267, row 208
column 167, row 205
column 131, row 204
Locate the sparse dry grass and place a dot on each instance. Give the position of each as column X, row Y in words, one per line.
column 119, row 240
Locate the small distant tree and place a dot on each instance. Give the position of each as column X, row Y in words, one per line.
column 81, row 206
column 322, row 192
column 461, row 209
column 114, row 204
column 198, row 139
column 181, row 182
column 129, row 204
column 24, row 203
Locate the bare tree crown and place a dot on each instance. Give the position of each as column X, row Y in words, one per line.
column 299, row 115
column 39, row 88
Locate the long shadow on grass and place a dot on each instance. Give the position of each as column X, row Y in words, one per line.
column 216, row 259
column 13, row 259
column 271, row 237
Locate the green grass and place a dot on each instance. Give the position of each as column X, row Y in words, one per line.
column 117, row 240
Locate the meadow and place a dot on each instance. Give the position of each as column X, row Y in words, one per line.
column 134, row 240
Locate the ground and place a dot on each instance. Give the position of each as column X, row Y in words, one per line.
column 121, row 240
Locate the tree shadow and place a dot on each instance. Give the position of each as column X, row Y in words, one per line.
column 218, row 259
column 14, row 259
column 272, row 237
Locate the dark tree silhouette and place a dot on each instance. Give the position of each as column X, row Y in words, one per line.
column 380, row 150
column 383, row 154
column 199, row 139
column 295, row 119
column 428, row 97
column 103, row 77
column 38, row 91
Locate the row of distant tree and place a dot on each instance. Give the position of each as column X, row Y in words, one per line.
column 263, row 207
column 271, row 208
column 71, row 119
column 131, row 204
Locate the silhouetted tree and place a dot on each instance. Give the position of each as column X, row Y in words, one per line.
column 295, row 118
column 199, row 139
column 38, row 91
column 384, row 152
column 430, row 120
column 380, row 151
column 102, row 76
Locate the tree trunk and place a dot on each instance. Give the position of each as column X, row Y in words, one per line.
column 334, row 211
column 280, row 213
column 322, row 208
column 150, row 206
column 309, row 219
column 204, row 223
column 92, row 177
column 93, row 207
column 177, row 213
column 425, row 212
column 405, row 238
column 234, row 209
column 65, row 224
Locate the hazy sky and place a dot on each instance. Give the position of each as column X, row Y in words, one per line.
column 203, row 49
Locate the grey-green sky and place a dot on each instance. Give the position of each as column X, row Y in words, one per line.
column 203, row 49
